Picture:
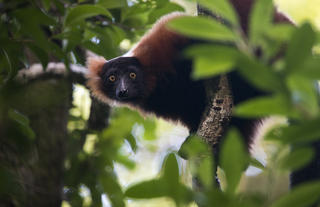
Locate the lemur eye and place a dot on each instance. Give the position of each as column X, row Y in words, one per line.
column 112, row 78
column 133, row 75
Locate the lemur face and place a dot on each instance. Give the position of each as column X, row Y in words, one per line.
column 122, row 79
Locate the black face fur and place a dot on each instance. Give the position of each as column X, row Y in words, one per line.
column 122, row 79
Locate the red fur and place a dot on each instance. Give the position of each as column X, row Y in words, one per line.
column 158, row 49
column 161, row 43
column 95, row 64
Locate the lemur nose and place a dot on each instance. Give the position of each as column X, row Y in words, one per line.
column 123, row 93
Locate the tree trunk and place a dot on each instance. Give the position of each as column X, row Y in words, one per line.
column 218, row 111
column 38, row 170
column 217, row 114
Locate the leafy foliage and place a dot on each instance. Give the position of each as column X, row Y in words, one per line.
column 44, row 31
column 275, row 71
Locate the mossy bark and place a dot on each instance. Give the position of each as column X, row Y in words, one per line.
column 36, row 164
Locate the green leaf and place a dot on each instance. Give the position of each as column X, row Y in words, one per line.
column 132, row 141
column 165, row 9
column 147, row 189
column 300, row 47
column 9, row 184
column 41, row 54
column 304, row 95
column 35, row 16
column 113, row 189
column 303, row 195
column 135, row 16
column 23, row 123
column 205, row 171
column 281, row 32
column 310, row 69
column 194, row 147
column 171, row 169
column 18, row 117
column 260, row 19
column 46, row 4
column 234, row 159
column 212, row 60
column 256, row 163
column 297, row 159
column 206, row 67
column 117, row 34
column 222, row 8
column 110, row 4
column 264, row 106
column 149, row 129
column 31, row 26
column 124, row 160
column 260, row 75
column 202, row 28
column 7, row 64
column 105, row 47
column 162, row 3
column 79, row 13
column 306, row 131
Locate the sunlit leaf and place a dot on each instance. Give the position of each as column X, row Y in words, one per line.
column 202, row 28
column 124, row 160
column 147, row 189
column 149, row 129
column 281, row 32
column 222, row 8
column 234, row 159
column 212, row 60
column 310, row 68
column 171, row 169
column 205, row 171
column 195, row 147
column 300, row 47
column 260, row 18
column 264, row 106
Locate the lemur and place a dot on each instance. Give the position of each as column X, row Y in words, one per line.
column 154, row 77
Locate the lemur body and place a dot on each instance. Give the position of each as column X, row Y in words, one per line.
column 162, row 85
column 154, row 77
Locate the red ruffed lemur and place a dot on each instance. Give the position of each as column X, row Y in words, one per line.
column 154, row 77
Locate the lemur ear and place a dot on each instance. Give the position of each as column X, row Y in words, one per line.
column 95, row 64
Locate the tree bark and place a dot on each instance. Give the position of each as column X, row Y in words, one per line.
column 39, row 170
column 33, row 168
column 218, row 111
